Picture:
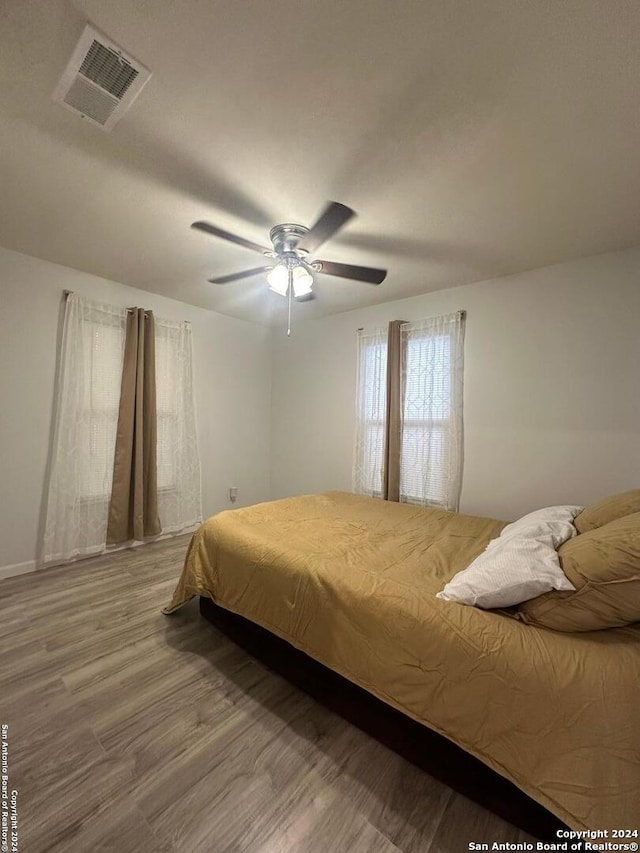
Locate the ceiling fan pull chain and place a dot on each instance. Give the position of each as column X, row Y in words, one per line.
column 290, row 298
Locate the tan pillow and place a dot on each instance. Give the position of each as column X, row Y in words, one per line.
column 610, row 509
column 604, row 567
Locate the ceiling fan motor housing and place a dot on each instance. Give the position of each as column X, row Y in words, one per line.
column 285, row 238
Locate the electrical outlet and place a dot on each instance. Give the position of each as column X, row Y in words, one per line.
column 233, row 494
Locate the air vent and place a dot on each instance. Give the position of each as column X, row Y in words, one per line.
column 101, row 81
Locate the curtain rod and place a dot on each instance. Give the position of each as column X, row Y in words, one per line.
column 68, row 293
column 461, row 314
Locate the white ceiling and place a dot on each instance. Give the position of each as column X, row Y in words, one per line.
column 474, row 138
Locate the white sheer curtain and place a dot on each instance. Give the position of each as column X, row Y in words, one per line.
column 431, row 456
column 371, row 401
column 179, row 494
column 85, row 421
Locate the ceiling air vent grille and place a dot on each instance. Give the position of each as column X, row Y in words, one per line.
column 100, row 82
column 90, row 101
column 110, row 71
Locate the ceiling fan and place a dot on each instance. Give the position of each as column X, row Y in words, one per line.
column 291, row 274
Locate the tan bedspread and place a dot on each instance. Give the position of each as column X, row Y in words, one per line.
column 352, row 582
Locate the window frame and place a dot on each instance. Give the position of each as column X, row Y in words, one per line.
column 438, row 454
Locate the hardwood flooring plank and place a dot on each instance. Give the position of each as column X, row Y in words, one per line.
column 56, row 751
column 23, row 667
column 213, row 762
column 401, row 801
column 113, row 660
column 108, row 599
column 463, row 821
column 116, row 827
column 80, row 650
column 13, row 625
column 301, row 825
column 324, row 824
column 37, row 703
column 48, row 815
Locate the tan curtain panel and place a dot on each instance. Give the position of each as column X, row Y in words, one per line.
column 393, row 420
column 133, row 510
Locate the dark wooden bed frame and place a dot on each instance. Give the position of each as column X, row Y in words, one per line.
column 420, row 745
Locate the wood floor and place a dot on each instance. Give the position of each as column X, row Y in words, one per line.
column 134, row 731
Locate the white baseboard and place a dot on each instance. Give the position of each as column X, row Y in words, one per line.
column 17, row 569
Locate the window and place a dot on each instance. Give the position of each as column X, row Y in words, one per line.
column 371, row 413
column 426, row 416
column 85, row 425
column 167, row 342
column 102, row 348
column 431, row 416
column 101, row 342
column 178, row 461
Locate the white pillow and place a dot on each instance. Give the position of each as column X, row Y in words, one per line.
column 538, row 523
column 520, row 564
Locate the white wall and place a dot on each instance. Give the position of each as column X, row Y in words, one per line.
column 232, row 373
column 552, row 387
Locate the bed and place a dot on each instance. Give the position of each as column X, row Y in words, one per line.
column 351, row 582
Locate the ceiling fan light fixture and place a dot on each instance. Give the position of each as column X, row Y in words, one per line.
column 302, row 281
column 278, row 279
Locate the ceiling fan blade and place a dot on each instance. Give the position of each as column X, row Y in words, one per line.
column 308, row 297
column 366, row 274
column 235, row 276
column 225, row 235
column 332, row 219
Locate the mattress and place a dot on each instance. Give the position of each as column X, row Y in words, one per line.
column 351, row 581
